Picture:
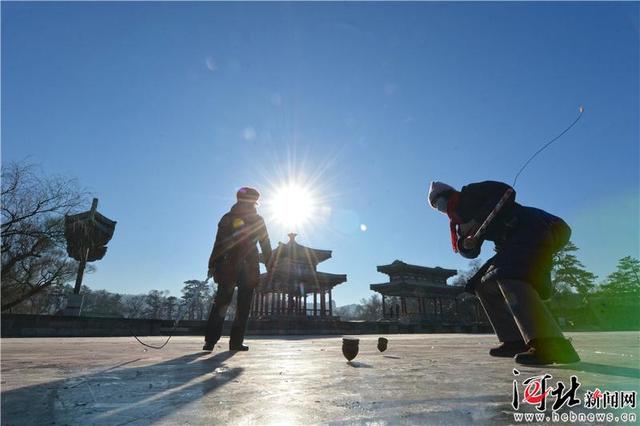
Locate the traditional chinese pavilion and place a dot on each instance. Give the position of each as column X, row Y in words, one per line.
column 294, row 279
column 420, row 293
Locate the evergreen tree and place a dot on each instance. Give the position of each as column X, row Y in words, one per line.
column 625, row 280
column 569, row 274
column 170, row 307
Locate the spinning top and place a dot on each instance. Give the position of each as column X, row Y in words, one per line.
column 350, row 347
column 382, row 344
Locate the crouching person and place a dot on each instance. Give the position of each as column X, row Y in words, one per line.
column 512, row 284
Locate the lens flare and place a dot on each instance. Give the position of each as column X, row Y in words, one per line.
column 292, row 206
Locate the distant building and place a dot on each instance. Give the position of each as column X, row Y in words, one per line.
column 294, row 279
column 421, row 294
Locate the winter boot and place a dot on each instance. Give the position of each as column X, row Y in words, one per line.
column 208, row 346
column 234, row 347
column 509, row 349
column 550, row 350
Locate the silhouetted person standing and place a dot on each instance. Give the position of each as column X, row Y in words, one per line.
column 235, row 261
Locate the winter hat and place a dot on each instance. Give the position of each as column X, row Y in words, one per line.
column 436, row 189
column 247, row 194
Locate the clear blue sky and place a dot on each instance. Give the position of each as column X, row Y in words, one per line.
column 163, row 110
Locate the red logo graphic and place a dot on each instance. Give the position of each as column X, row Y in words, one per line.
column 534, row 393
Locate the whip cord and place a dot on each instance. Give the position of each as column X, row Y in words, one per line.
column 175, row 325
column 581, row 109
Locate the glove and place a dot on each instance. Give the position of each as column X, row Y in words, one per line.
column 469, row 243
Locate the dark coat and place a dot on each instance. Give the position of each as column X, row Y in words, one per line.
column 525, row 238
column 235, row 250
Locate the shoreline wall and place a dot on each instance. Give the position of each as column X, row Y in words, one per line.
column 21, row 325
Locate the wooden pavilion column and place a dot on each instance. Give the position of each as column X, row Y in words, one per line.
column 315, row 304
column 384, row 308
column 254, row 305
column 272, row 298
column 304, row 307
column 283, row 304
column 403, row 305
column 265, row 305
column 259, row 304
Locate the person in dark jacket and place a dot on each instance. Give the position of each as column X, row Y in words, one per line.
column 512, row 284
column 235, row 261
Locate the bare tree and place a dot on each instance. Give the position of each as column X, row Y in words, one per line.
column 370, row 309
column 33, row 244
column 134, row 305
column 101, row 303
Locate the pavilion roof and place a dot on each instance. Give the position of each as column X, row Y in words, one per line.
column 398, row 266
column 415, row 290
column 300, row 253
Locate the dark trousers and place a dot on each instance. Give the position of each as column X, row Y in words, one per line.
column 516, row 311
column 221, row 304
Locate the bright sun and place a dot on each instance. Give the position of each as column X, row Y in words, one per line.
column 292, row 206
